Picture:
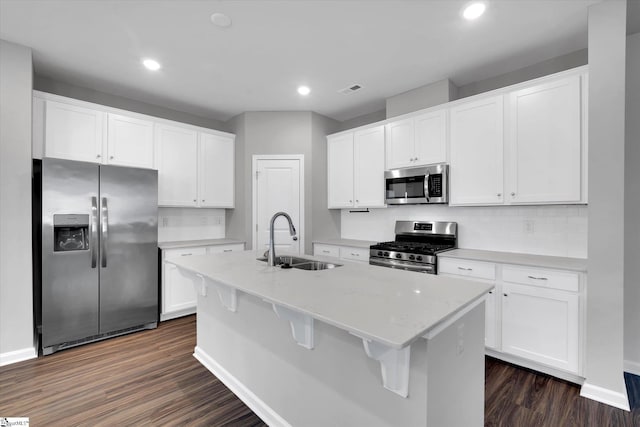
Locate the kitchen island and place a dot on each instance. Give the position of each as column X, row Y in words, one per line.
column 349, row 346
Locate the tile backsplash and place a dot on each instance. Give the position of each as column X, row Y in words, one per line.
column 176, row 224
column 542, row 230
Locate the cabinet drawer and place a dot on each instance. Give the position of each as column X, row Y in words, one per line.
column 182, row 252
column 326, row 250
column 467, row 268
column 554, row 279
column 218, row 249
column 355, row 254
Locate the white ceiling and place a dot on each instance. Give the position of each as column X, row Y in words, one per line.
column 388, row 47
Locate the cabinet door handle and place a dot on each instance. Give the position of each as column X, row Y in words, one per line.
column 350, row 201
column 490, row 292
column 513, row 194
column 185, row 254
column 465, row 269
column 537, row 278
column 110, row 157
column 499, row 194
column 98, row 156
column 203, row 200
column 227, row 250
column 357, row 201
column 195, row 200
column 505, row 295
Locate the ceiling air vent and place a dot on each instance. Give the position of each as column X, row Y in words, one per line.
column 350, row 89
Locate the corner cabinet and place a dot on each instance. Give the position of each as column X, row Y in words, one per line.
column 195, row 169
column 477, row 144
column 417, row 141
column 355, row 169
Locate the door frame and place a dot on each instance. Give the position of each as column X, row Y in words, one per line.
column 254, row 195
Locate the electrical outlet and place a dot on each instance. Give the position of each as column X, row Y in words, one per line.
column 529, row 226
column 165, row 221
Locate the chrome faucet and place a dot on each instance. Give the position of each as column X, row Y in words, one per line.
column 271, row 257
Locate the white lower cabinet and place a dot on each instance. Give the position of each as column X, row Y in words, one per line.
column 348, row 253
column 179, row 297
column 533, row 313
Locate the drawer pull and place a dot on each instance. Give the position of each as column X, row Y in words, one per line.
column 537, row 278
column 185, row 254
column 227, row 250
column 465, row 269
column 352, row 254
column 326, row 252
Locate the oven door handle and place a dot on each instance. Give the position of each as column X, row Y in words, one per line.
column 427, row 195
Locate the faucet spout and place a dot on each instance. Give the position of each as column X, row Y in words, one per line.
column 271, row 257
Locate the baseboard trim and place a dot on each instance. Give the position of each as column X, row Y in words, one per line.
column 18, row 356
column 257, row 405
column 632, row 367
column 606, row 396
column 558, row 373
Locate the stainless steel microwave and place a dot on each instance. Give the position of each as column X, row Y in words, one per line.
column 412, row 186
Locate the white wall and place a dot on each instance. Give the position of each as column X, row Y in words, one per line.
column 632, row 210
column 16, row 288
column 177, row 224
column 606, row 235
column 542, row 230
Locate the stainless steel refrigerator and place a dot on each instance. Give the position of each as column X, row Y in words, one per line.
column 99, row 262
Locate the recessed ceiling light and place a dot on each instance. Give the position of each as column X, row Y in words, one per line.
column 474, row 10
column 221, row 20
column 151, row 64
column 304, row 90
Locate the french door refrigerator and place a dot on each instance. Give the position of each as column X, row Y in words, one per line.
column 99, row 262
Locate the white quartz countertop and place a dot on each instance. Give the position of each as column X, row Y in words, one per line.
column 393, row 307
column 194, row 243
column 346, row 242
column 561, row 263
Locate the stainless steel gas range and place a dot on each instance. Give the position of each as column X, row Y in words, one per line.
column 416, row 246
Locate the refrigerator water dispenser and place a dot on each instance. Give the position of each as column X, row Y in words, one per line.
column 70, row 232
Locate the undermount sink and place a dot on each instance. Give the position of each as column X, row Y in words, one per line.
column 285, row 261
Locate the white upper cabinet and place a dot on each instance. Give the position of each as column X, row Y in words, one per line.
column 476, row 132
column 129, row 141
column 400, row 144
column 368, row 150
column 216, row 171
column 340, row 171
column 417, row 141
column 545, row 143
column 177, row 161
column 73, row 132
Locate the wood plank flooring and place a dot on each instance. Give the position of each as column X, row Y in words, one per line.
column 151, row 378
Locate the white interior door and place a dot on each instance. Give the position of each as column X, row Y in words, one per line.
column 278, row 187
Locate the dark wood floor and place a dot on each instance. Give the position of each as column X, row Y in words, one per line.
column 151, row 378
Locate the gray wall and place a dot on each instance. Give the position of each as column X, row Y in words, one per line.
column 425, row 96
column 550, row 66
column 632, row 210
column 282, row 133
column 365, row 119
column 605, row 300
column 16, row 306
column 46, row 84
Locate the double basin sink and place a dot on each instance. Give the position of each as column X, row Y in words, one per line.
column 285, row 262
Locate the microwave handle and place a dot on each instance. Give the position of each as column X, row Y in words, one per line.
column 426, row 187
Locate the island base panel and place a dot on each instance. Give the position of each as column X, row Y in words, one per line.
column 335, row 383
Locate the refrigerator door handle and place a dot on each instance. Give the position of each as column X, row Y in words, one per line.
column 93, row 237
column 105, row 232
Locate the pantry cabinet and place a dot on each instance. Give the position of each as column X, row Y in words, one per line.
column 545, row 143
column 477, row 147
column 416, row 141
column 356, row 169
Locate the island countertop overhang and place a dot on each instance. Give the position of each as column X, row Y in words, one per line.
column 388, row 306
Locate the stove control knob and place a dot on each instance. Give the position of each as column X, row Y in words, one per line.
column 386, row 254
column 379, row 253
column 419, row 258
column 411, row 257
column 398, row 255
